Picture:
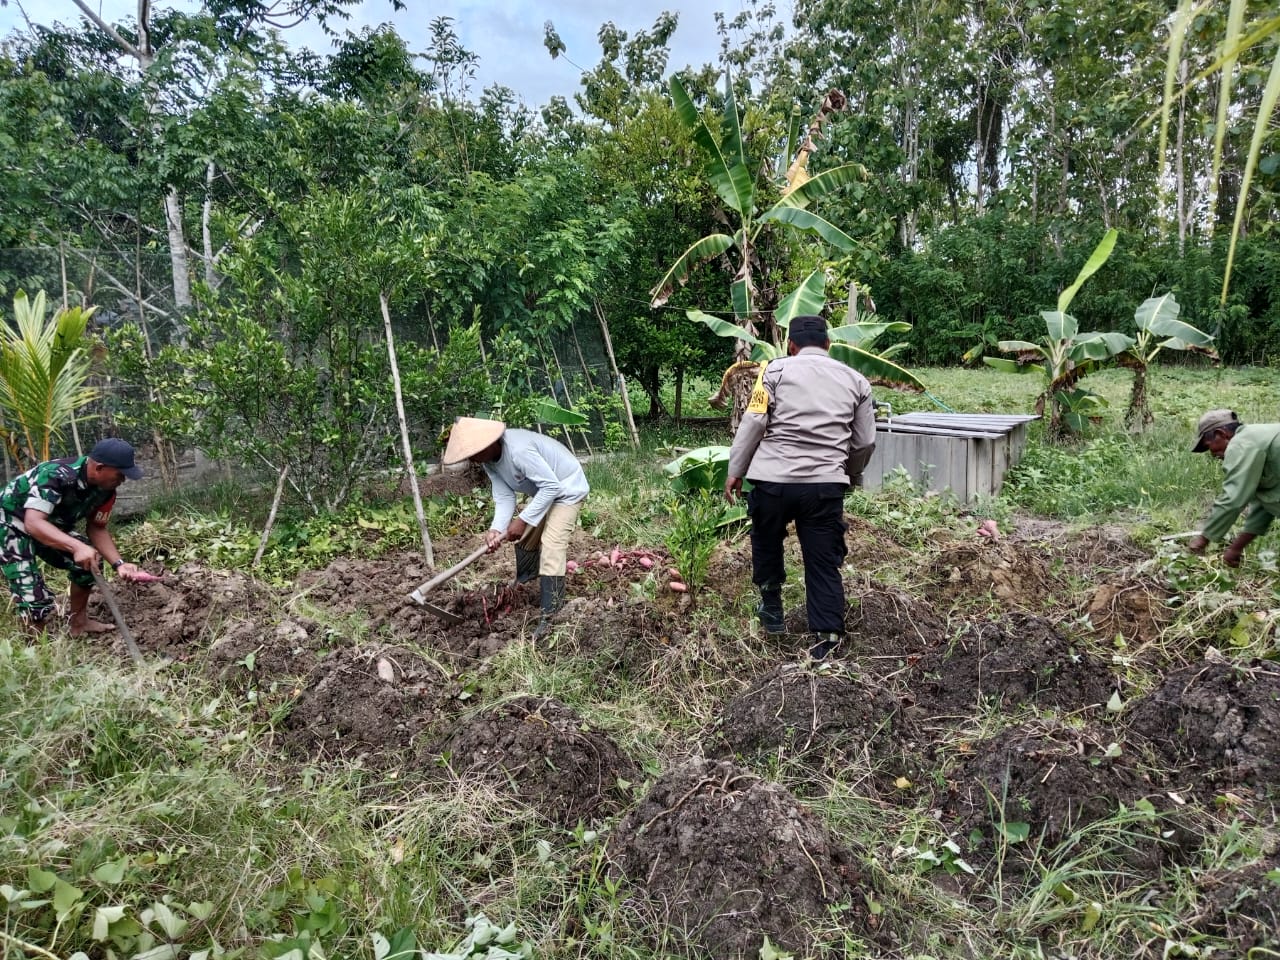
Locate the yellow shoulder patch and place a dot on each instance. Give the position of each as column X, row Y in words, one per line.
column 759, row 396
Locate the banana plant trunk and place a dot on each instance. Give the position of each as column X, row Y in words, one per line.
column 1138, row 417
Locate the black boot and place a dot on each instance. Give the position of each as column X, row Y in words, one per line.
column 824, row 644
column 769, row 610
column 526, row 564
column 552, row 601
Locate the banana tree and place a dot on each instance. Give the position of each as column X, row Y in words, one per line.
column 1065, row 356
column 1156, row 318
column 44, row 369
column 733, row 176
column 852, row 343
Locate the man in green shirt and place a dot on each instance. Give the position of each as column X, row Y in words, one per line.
column 1250, row 456
column 39, row 511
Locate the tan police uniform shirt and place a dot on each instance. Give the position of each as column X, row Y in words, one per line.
column 810, row 420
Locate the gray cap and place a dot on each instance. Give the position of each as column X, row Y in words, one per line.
column 1209, row 422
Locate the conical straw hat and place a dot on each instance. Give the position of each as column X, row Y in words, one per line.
column 470, row 435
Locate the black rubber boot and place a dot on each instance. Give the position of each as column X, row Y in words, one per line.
column 552, row 601
column 769, row 610
column 526, row 564
column 824, row 644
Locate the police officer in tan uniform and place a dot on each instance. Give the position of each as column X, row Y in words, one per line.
column 808, row 433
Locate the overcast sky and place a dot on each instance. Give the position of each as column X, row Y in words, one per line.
column 505, row 34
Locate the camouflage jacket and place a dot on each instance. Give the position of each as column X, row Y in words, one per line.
column 59, row 489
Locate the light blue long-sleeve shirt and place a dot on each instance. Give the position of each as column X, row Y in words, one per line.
column 538, row 466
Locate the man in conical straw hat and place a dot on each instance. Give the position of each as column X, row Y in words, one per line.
column 529, row 463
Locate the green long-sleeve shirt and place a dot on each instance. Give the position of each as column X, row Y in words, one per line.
column 1251, row 466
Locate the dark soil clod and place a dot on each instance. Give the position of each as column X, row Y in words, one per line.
column 730, row 859
column 1218, row 722
column 546, row 754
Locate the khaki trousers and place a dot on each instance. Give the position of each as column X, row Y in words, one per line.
column 551, row 538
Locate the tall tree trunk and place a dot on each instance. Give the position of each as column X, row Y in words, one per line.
column 206, row 236
column 177, row 256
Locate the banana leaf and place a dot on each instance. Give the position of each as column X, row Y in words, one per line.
column 709, row 246
column 804, row 220
column 806, row 299
column 548, row 411
column 874, row 367
column 823, row 183
column 706, row 468
column 1096, row 259
column 729, row 175
column 1100, row 346
column 866, row 333
column 721, row 327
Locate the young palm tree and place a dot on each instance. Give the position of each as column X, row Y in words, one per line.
column 44, row 368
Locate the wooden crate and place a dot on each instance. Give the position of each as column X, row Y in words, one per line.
column 966, row 453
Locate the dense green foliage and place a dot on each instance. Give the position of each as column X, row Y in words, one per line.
column 198, row 178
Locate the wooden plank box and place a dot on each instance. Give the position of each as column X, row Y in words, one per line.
column 967, row 454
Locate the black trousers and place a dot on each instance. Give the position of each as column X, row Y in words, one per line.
column 818, row 512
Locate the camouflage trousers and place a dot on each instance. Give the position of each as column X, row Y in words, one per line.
column 18, row 553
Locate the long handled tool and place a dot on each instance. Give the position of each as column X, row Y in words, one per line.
column 419, row 596
column 134, row 653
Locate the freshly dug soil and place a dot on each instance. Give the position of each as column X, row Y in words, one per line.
column 885, row 628
column 369, row 705
column 838, row 721
column 1219, row 723
column 1012, row 574
column 264, row 655
column 1133, row 608
column 730, row 859
column 176, row 617
column 546, row 755
column 495, row 611
column 1047, row 775
column 1244, row 906
column 1015, row 660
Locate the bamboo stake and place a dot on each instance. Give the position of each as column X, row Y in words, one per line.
column 622, row 383
column 271, row 517
column 404, row 435
column 568, row 399
column 66, row 305
column 168, row 468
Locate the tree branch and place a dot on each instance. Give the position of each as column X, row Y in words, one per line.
column 109, row 30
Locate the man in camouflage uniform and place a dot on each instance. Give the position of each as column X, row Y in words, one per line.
column 39, row 511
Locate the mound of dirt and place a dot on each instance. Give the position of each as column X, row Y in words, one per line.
column 886, row 626
column 1099, row 548
column 869, row 547
column 731, row 859
column 262, row 655
column 1130, row 607
column 368, row 704
column 1017, row 659
column 1013, row 574
column 1244, row 905
column 546, row 754
column 1216, row 721
column 835, row 720
column 175, row 616
column 635, row 642
column 1046, row 775
column 494, row 611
